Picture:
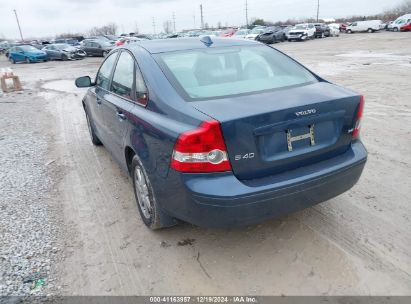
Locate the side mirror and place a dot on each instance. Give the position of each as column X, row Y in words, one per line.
column 142, row 98
column 84, row 82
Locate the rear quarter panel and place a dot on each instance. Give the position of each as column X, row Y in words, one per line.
column 153, row 130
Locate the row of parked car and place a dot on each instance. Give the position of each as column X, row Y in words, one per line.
column 61, row 49
column 72, row 48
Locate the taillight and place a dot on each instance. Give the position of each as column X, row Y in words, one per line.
column 356, row 131
column 201, row 150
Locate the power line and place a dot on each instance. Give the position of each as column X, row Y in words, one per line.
column 154, row 25
column 246, row 13
column 18, row 24
column 202, row 17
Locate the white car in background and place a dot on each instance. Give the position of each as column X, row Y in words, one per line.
column 254, row 33
column 334, row 29
column 241, row 33
column 302, row 32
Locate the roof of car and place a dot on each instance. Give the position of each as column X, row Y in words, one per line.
column 181, row 44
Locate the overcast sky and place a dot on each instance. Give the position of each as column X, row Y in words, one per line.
column 47, row 18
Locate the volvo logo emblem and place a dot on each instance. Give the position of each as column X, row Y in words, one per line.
column 306, row 112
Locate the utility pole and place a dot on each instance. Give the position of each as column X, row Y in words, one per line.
column 154, row 26
column 318, row 9
column 202, row 17
column 246, row 13
column 174, row 22
column 18, row 24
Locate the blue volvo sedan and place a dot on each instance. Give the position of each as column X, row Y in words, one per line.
column 223, row 132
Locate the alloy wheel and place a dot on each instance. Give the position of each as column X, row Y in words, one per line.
column 142, row 191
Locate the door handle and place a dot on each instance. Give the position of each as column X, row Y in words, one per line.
column 121, row 116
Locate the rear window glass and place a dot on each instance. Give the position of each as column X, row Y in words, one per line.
column 227, row 71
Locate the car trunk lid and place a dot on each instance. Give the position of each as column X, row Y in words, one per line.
column 280, row 130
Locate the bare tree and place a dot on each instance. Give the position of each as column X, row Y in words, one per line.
column 108, row 29
column 69, row 35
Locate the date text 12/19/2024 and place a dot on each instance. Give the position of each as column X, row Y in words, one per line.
column 203, row 299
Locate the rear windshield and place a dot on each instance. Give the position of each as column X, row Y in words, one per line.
column 228, row 71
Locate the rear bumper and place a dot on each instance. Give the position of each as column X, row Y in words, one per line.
column 221, row 200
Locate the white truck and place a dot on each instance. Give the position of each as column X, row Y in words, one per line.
column 369, row 26
column 400, row 21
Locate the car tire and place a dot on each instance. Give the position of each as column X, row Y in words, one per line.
column 370, row 30
column 105, row 53
column 395, row 29
column 12, row 60
column 64, row 57
column 322, row 35
column 94, row 139
column 349, row 32
column 147, row 205
column 28, row 60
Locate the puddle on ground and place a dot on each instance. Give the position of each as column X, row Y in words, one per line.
column 63, row 86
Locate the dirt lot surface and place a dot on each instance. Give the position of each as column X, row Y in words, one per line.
column 356, row 244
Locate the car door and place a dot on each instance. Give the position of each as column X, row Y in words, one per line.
column 95, row 48
column 98, row 94
column 87, row 48
column 52, row 52
column 311, row 30
column 19, row 54
column 117, row 105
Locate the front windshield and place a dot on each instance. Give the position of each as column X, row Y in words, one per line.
column 28, row 48
column 105, row 43
column 257, row 31
column 240, row 33
column 231, row 71
column 62, row 46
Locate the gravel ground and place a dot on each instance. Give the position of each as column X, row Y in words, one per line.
column 68, row 214
column 29, row 225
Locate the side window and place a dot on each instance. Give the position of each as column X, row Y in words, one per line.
column 141, row 89
column 354, row 24
column 123, row 78
column 103, row 76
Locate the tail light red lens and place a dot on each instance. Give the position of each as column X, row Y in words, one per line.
column 356, row 131
column 201, row 150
